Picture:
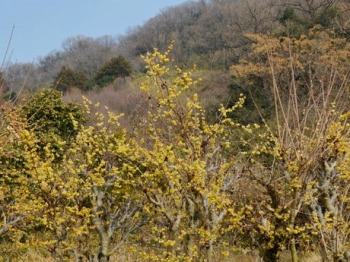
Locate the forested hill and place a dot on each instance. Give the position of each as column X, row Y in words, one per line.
column 208, row 33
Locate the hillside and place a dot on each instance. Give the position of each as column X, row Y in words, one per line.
column 217, row 131
column 210, row 34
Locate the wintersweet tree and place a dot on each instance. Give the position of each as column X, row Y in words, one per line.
column 16, row 202
column 300, row 162
column 74, row 193
column 8, row 214
column 88, row 202
column 188, row 172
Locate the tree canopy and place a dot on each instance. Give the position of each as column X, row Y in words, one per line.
column 67, row 79
column 114, row 68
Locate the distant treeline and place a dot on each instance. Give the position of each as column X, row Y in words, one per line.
column 208, row 33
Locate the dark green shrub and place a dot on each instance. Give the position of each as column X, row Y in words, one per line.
column 114, row 68
column 51, row 119
column 68, row 78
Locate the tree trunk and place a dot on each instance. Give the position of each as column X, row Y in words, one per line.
column 171, row 236
column 271, row 254
column 209, row 252
column 294, row 211
column 188, row 245
column 103, row 255
column 323, row 253
column 293, row 250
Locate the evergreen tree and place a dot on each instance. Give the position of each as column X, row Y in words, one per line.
column 68, row 78
column 114, row 68
column 51, row 119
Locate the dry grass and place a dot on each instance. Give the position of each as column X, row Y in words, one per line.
column 130, row 256
column 213, row 87
column 33, row 256
column 126, row 100
column 125, row 97
column 212, row 91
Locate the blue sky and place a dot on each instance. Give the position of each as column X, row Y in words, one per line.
column 42, row 25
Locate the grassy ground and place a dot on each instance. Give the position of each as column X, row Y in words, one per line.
column 237, row 257
column 33, row 256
